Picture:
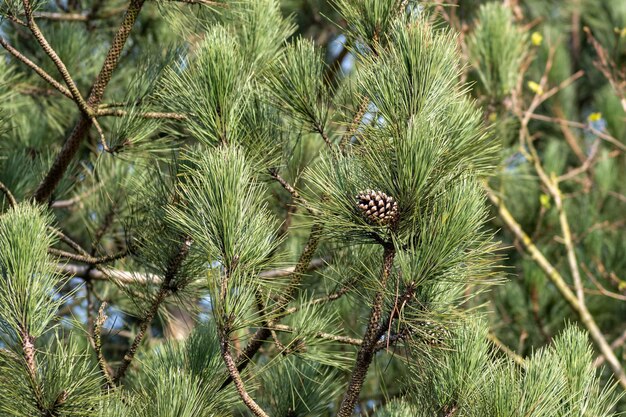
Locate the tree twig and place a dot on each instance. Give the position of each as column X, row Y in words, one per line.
column 87, row 259
column 236, row 377
column 141, row 278
column 145, row 115
column 507, row 350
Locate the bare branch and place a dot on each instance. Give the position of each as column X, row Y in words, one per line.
column 143, row 278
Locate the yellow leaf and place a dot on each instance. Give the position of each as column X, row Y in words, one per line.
column 544, row 199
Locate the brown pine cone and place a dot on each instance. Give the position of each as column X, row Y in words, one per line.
column 377, row 207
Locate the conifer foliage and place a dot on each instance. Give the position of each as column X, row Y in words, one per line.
column 202, row 214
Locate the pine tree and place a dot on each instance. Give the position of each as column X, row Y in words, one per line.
column 282, row 208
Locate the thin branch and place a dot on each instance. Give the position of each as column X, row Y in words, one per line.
column 70, row 202
column 75, row 17
column 599, row 286
column 172, row 271
column 354, row 124
column 38, row 70
column 142, row 278
column 330, row 297
column 571, row 140
column 145, row 115
column 202, row 2
column 66, row 17
column 7, row 193
column 616, row 344
column 236, row 377
column 324, row 135
column 68, row 241
column 86, row 258
column 289, row 188
column 579, row 125
column 263, row 333
column 569, row 245
column 322, row 335
column 586, row 165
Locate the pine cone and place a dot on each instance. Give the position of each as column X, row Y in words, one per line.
column 377, row 207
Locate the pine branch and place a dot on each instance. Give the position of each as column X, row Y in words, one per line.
column 72, row 144
column 224, row 334
column 322, row 335
column 138, row 278
column 366, row 352
column 450, row 411
column 330, row 297
column 584, row 126
column 354, row 124
column 164, row 289
column 67, row 17
column 28, row 352
column 202, row 2
column 38, row 70
column 291, row 190
column 508, row 351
